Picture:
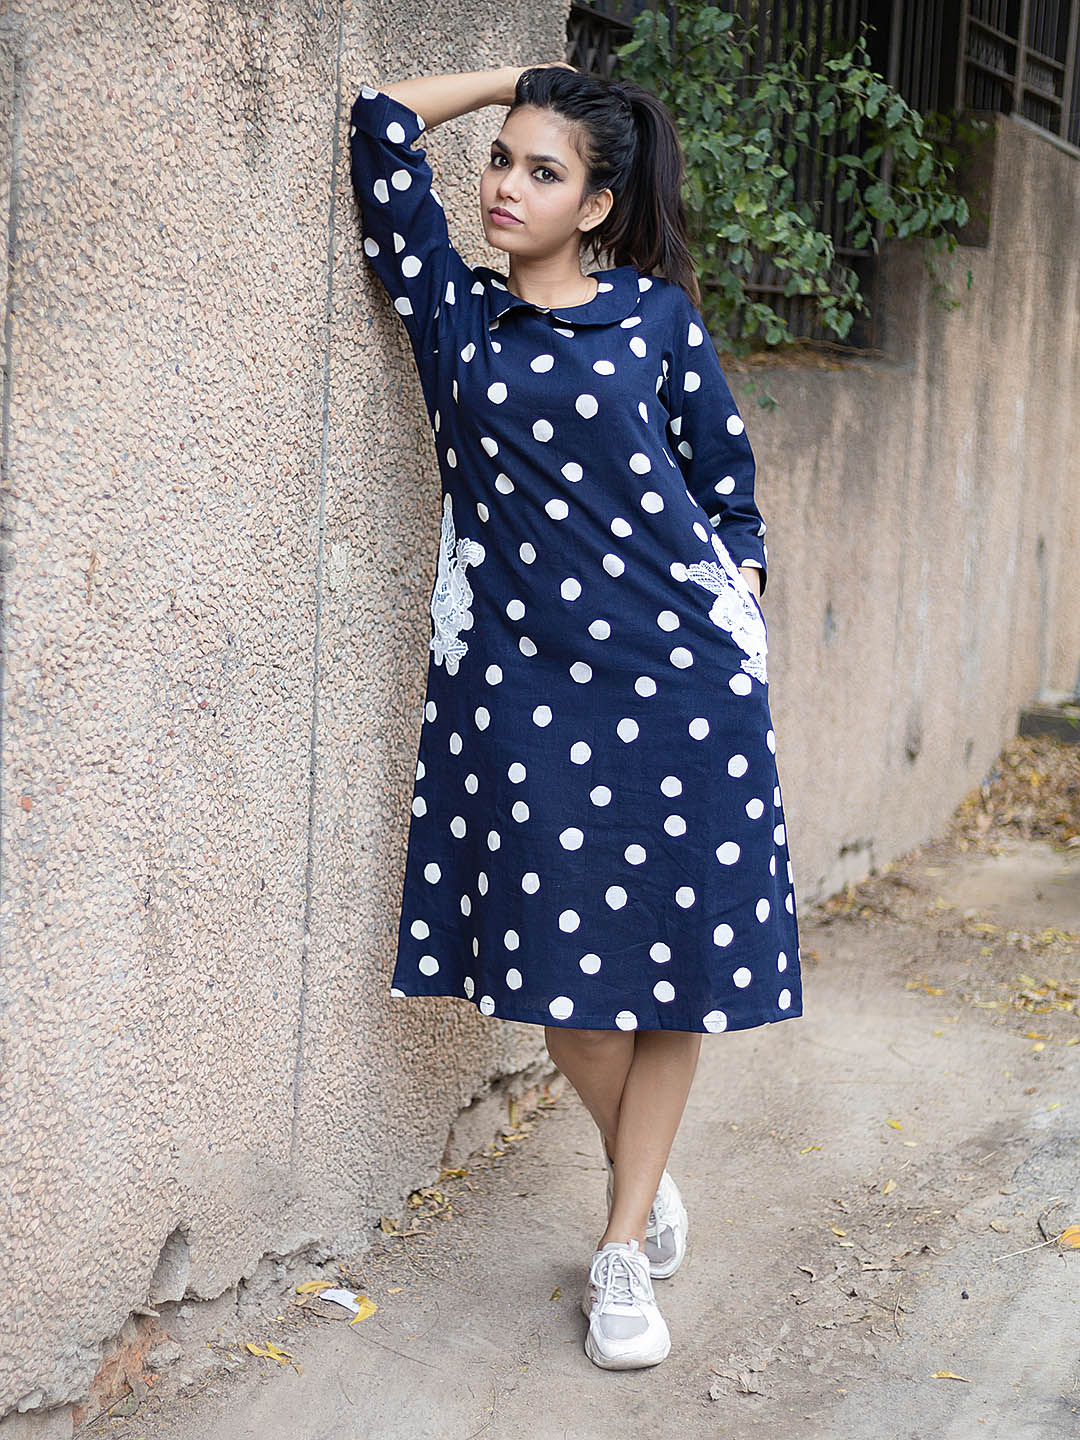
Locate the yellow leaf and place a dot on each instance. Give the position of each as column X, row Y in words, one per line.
column 387, row 1226
column 281, row 1356
column 395, row 1289
column 1036, row 1035
column 807, row 1148
column 948, row 1375
column 1054, row 1105
column 556, row 1292
column 1038, row 1045
column 836, row 1230
column 367, row 1307
column 911, row 1144
column 312, row 1287
column 896, row 1125
column 888, row 1187
column 256, row 1349
column 1069, row 1239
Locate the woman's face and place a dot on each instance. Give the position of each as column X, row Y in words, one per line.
column 537, row 176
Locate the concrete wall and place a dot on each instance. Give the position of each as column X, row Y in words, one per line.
column 221, row 517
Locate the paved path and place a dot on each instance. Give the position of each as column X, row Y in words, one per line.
column 853, row 1180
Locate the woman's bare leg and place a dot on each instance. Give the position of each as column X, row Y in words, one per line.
column 637, row 1099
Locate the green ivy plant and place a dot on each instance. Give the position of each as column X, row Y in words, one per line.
column 746, row 135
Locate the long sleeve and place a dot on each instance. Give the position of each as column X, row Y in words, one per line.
column 403, row 222
column 709, row 439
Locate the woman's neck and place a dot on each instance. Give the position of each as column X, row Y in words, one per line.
column 551, row 283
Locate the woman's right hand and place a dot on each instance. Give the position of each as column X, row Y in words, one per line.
column 513, row 72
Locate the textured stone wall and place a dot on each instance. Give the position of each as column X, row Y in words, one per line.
column 221, row 515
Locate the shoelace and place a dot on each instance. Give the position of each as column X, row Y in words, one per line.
column 621, row 1277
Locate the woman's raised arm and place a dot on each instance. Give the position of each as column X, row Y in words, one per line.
column 443, row 97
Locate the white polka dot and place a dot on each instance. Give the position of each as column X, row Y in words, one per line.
column 627, row 729
column 455, row 743
column 457, row 826
column 562, row 1007
column 742, row 977
column 420, row 929
column 776, row 796
column 660, row 952
column 694, row 335
column 735, row 425
column 542, row 363
column 519, row 810
column 590, row 964
column 419, row 805
column 469, row 985
column 638, row 346
column 691, row 381
column 497, row 392
column 715, row 1021
column 516, row 772
column 428, row 964
column 737, row 766
column 494, row 840
column 781, row 962
column 789, row 902
column 725, row 485
column 652, row 502
column 701, row 532
column 778, row 835
column 581, row 672
column 770, row 740
column 626, row 1020
column 603, row 367
column 557, row 509
column 681, row 657
column 599, row 629
column 429, row 710
column 432, row 872
column 571, row 838
column 740, row 683
column 640, row 463
column 482, row 882
column 675, row 825
column 542, row 715
column 671, row 785
column 572, row 470
column 634, row 854
column 530, row 882
column 667, row 620
column 569, row 921
column 516, row 610
column 513, row 979
column 677, row 570
column 723, row 935
column 784, row 999
column 762, row 909
column 543, row 430
column 698, row 727
column 664, row 990
column 586, row 405
column 527, row 645
column 527, row 551
column 685, row 896
column 421, row 770
column 613, row 565
column 487, row 1005
column 490, row 445
column 621, row 527
column 615, row 896
column 645, row 685
column 570, row 588
column 395, row 132
column 755, row 808
column 511, row 939
column 482, row 716
column 728, row 852
column 600, row 795
column 466, row 905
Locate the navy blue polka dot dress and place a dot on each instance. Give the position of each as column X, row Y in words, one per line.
column 597, row 834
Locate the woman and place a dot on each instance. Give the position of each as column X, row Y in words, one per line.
column 597, row 840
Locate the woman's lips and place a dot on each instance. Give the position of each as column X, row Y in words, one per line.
column 502, row 217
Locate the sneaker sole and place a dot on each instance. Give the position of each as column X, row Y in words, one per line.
column 626, row 1362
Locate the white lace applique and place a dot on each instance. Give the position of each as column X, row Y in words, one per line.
column 733, row 609
column 452, row 596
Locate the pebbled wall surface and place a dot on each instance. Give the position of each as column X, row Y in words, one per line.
column 220, row 526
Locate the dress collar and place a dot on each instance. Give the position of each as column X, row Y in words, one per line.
column 616, row 299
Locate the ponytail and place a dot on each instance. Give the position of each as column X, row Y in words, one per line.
column 629, row 145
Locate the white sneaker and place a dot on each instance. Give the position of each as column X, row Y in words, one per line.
column 626, row 1329
column 667, row 1227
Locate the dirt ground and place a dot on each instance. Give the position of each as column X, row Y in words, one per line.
column 879, row 1197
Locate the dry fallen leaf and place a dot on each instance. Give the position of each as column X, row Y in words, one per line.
column 365, row 1307
column 888, row 1187
column 1000, row 1226
column 807, row 1148
column 1069, row 1239
column 896, row 1125
column 313, row 1287
column 948, row 1375
column 836, row 1230
column 556, row 1292
column 270, row 1352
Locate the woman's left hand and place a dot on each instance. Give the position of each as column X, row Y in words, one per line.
column 752, row 575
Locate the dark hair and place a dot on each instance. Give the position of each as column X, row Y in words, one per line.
column 629, row 145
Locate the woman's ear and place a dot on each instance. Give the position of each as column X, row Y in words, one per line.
column 596, row 209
